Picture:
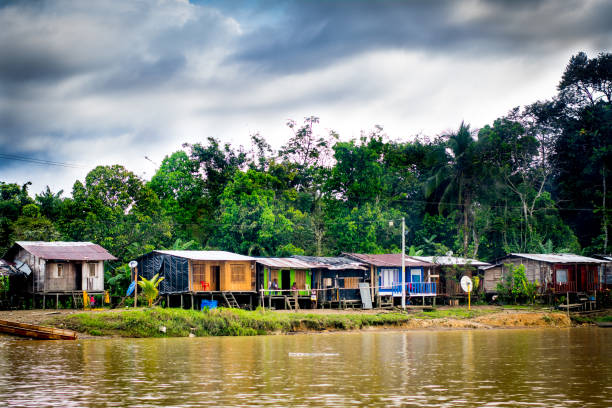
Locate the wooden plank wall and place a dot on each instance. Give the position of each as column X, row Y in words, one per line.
column 201, row 271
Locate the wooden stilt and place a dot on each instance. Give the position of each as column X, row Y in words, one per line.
column 167, row 301
column 57, row 301
column 44, row 301
column 182, row 305
column 192, row 301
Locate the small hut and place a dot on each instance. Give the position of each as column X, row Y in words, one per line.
column 337, row 279
column 56, row 269
column 202, row 274
column 276, row 277
column 554, row 273
column 386, row 269
column 449, row 270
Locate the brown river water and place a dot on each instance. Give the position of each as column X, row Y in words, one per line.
column 532, row 367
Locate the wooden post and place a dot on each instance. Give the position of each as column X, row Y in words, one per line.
column 192, row 301
column 182, row 307
column 57, row 301
column 567, row 298
column 44, row 301
column 262, row 301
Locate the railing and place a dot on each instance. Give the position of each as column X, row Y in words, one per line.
column 562, row 287
column 592, row 286
column 413, row 288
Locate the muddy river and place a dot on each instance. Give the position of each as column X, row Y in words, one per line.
column 535, row 367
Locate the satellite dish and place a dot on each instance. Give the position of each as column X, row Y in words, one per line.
column 133, row 264
column 466, row 284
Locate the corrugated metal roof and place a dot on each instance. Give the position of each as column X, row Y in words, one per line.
column 394, row 260
column 286, row 263
column 207, row 255
column 451, row 260
column 68, row 251
column 334, row 263
column 558, row 258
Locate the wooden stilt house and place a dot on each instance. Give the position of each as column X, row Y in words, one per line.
column 337, row 279
column 554, row 273
column 449, row 270
column 59, row 269
column 386, row 270
column 190, row 276
column 276, row 276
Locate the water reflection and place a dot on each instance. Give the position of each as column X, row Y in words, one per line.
column 429, row 368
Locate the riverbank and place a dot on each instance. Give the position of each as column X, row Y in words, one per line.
column 158, row 322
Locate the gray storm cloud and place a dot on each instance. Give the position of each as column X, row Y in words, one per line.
column 106, row 82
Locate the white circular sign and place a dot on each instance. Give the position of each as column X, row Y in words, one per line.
column 133, row 264
column 466, row 284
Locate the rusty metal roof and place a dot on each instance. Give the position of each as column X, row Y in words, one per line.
column 68, row 251
column 393, row 260
column 333, row 263
column 558, row 258
column 286, row 263
column 451, row 260
column 207, row 255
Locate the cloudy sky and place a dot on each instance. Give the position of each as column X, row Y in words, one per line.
column 106, row 82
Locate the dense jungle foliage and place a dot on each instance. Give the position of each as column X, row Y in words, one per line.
column 535, row 180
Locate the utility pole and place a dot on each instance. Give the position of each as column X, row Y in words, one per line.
column 403, row 263
column 136, row 288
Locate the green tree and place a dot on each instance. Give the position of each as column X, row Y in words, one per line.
column 456, row 176
column 149, row 287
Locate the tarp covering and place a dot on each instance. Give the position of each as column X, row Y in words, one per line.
column 174, row 269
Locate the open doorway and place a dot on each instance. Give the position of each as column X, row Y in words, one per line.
column 78, row 276
column 215, row 271
column 285, row 279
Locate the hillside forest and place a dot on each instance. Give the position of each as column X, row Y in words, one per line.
column 535, row 180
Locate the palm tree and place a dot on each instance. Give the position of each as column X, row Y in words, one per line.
column 149, row 287
column 456, row 177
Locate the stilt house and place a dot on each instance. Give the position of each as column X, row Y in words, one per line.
column 449, row 270
column 60, row 268
column 554, row 273
column 337, row 279
column 386, row 269
column 202, row 274
column 277, row 276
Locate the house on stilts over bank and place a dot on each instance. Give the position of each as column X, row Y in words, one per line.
column 336, row 280
column 276, row 278
column 192, row 276
column 57, row 270
column 574, row 276
column 448, row 271
column 419, row 280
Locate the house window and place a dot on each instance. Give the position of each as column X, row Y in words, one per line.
column 561, row 275
column 59, row 273
column 415, row 275
column 237, row 273
column 92, row 270
column 351, row 282
column 388, row 277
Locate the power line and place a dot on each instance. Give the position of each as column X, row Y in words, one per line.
column 40, row 161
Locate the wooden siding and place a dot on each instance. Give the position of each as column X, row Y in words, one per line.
column 234, row 276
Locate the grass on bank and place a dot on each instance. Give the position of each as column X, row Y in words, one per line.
column 217, row 322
